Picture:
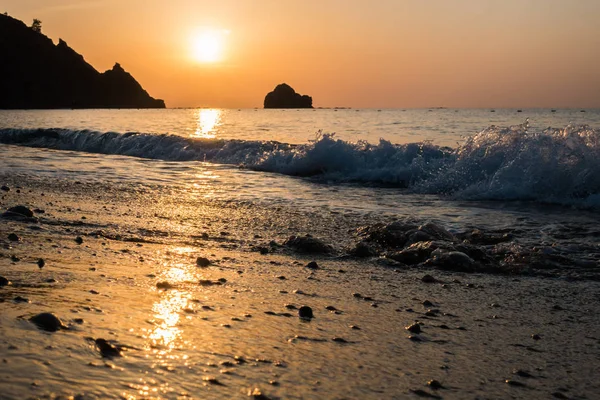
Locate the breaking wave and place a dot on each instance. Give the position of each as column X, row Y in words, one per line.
column 499, row 163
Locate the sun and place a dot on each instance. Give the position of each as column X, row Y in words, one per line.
column 208, row 46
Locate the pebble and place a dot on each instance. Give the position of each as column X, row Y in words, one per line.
column 312, row 265
column 357, row 295
column 339, row 340
column 428, row 279
column 22, row 210
column 78, row 240
column 536, row 336
column 208, row 282
column 164, row 285
column 41, row 263
column 435, row 384
column 13, row 237
column 20, row 299
column 255, row 393
column 202, row 262
column 331, row 308
column 290, row 307
column 4, row 281
column 305, row 312
column 106, row 349
column 212, row 380
column 5, row 188
column 47, row 321
column 427, row 303
column 414, row 328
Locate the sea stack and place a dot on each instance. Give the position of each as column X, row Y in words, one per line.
column 283, row 96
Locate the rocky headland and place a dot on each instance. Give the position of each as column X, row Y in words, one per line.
column 37, row 74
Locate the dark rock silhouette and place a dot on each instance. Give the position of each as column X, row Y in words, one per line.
column 285, row 97
column 35, row 73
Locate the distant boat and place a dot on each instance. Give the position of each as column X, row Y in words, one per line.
column 552, row 110
column 492, row 110
column 519, row 110
column 582, row 111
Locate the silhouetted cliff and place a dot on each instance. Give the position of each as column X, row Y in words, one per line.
column 35, row 73
column 285, row 97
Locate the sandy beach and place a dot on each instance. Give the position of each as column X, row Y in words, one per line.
column 125, row 269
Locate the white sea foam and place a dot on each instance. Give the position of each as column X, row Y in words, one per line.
column 500, row 163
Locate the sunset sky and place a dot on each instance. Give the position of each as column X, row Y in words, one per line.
column 354, row 53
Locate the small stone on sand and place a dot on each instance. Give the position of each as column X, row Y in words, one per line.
column 305, row 312
column 164, row 285
column 434, row 384
column 24, row 211
column 106, row 349
column 312, row 265
column 202, row 262
column 47, row 321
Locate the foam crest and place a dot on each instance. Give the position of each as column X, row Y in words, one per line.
column 499, row 163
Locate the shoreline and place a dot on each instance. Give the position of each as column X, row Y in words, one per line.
column 476, row 329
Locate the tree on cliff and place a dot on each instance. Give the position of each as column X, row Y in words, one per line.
column 36, row 25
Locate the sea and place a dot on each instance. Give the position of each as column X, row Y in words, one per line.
column 177, row 246
column 531, row 170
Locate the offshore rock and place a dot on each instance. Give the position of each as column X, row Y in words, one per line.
column 283, row 96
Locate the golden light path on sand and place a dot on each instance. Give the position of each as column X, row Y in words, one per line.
column 166, row 337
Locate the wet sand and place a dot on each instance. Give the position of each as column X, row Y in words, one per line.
column 174, row 329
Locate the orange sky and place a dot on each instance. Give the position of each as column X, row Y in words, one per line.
column 354, row 53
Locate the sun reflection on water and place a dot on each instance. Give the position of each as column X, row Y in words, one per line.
column 209, row 119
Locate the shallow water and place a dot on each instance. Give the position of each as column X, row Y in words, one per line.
column 445, row 127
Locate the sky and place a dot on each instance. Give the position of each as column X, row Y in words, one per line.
column 343, row 53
